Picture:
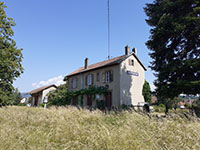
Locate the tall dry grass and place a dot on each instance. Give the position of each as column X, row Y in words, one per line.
column 70, row 128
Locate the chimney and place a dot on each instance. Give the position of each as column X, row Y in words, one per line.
column 127, row 50
column 134, row 50
column 86, row 63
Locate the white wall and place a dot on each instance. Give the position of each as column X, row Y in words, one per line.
column 44, row 93
column 131, row 86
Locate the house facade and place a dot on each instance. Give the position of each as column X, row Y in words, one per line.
column 38, row 95
column 124, row 77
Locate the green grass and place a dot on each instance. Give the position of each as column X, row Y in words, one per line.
column 70, row 128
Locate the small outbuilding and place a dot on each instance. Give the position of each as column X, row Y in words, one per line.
column 38, row 95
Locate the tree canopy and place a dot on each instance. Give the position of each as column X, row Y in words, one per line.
column 146, row 92
column 175, row 46
column 10, row 57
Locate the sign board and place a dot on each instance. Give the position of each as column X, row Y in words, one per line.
column 133, row 73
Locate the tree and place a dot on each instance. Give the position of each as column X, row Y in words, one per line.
column 175, row 46
column 10, row 57
column 15, row 97
column 146, row 92
column 59, row 97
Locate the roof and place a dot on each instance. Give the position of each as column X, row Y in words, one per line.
column 41, row 89
column 106, row 63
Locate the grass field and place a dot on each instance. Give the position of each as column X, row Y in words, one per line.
column 70, row 128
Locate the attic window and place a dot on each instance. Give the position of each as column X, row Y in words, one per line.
column 131, row 62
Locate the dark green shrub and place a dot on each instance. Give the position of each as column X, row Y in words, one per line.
column 100, row 104
column 21, row 104
column 160, row 108
column 188, row 106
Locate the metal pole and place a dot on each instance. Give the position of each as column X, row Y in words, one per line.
column 108, row 29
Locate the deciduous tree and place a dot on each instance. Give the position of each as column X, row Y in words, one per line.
column 146, row 92
column 10, row 57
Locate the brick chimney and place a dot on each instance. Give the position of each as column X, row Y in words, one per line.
column 127, row 50
column 134, row 50
column 86, row 63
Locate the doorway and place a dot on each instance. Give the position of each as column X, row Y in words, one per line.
column 36, row 100
column 109, row 100
column 89, row 100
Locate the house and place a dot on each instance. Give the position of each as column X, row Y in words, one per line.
column 154, row 99
column 38, row 95
column 124, row 77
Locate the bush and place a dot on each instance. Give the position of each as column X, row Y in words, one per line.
column 41, row 105
column 21, row 104
column 101, row 104
column 59, row 97
column 160, row 108
column 188, row 106
column 196, row 107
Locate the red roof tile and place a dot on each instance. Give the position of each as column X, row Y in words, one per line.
column 105, row 63
column 41, row 89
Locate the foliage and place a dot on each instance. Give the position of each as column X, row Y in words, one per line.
column 71, row 128
column 62, row 97
column 10, row 57
column 15, row 97
column 196, row 107
column 188, row 106
column 92, row 90
column 146, row 92
column 21, row 104
column 160, row 108
column 100, row 104
column 175, row 46
column 169, row 103
column 59, row 97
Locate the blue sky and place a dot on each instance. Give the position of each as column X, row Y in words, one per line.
column 56, row 36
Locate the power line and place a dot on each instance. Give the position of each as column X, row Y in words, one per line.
column 108, row 29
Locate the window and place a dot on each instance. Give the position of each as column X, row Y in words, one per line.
column 98, row 77
column 131, row 62
column 109, row 76
column 74, row 83
column 89, row 79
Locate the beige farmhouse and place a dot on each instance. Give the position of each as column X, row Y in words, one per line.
column 124, row 76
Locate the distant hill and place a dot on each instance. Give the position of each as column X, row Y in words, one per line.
column 25, row 95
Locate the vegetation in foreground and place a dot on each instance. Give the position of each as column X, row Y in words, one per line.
column 70, row 128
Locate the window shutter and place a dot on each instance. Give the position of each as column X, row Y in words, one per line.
column 103, row 77
column 76, row 82
column 86, row 80
column 111, row 75
column 71, row 84
column 92, row 78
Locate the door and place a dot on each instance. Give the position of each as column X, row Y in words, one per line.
column 89, row 100
column 36, row 100
column 109, row 100
column 74, row 101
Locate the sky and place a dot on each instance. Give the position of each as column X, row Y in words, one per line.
column 56, row 36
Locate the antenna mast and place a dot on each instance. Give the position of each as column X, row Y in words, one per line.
column 108, row 29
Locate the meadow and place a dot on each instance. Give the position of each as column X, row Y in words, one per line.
column 71, row 128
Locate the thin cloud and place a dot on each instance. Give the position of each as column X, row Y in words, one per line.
column 56, row 80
